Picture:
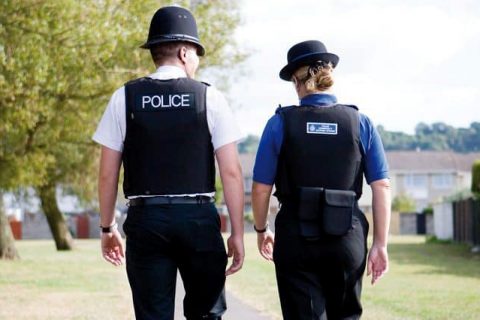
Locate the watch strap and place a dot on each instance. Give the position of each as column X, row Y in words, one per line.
column 260, row 230
column 108, row 229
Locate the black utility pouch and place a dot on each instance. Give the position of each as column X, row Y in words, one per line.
column 338, row 209
column 309, row 211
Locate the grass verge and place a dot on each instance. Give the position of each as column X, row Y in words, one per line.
column 426, row 281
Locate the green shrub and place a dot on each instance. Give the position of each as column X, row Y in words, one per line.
column 248, row 217
column 427, row 210
column 219, row 191
column 476, row 178
column 403, row 203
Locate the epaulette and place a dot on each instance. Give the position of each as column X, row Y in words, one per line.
column 206, row 83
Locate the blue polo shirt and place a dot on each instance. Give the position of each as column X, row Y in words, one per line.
column 265, row 168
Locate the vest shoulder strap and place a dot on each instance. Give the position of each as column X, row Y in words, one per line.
column 128, row 83
column 281, row 109
column 349, row 106
column 141, row 79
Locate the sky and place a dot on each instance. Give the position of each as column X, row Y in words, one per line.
column 401, row 62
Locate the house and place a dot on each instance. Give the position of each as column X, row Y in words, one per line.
column 247, row 161
column 429, row 176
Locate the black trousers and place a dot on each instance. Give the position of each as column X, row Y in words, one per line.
column 162, row 239
column 322, row 278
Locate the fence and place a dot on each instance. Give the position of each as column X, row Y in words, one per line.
column 466, row 221
column 415, row 223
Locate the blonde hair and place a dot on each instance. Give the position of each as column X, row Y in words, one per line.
column 316, row 77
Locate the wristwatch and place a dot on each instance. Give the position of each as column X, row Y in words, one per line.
column 260, row 230
column 109, row 229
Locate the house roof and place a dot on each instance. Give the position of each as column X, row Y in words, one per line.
column 431, row 160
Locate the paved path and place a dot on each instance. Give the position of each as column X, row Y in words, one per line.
column 237, row 310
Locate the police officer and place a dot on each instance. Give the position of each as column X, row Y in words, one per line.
column 167, row 129
column 316, row 154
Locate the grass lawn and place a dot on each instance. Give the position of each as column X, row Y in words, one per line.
column 78, row 284
column 426, row 281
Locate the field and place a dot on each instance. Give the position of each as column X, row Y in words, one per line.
column 426, row 281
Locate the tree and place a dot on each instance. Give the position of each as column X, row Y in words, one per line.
column 438, row 136
column 60, row 61
column 7, row 245
column 396, row 140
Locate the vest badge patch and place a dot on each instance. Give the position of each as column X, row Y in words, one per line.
column 322, row 128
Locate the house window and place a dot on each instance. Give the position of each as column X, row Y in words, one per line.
column 442, row 181
column 416, row 181
column 416, row 185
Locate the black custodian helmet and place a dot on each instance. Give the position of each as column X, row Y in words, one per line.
column 171, row 24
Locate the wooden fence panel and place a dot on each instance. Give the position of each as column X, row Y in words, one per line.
column 466, row 221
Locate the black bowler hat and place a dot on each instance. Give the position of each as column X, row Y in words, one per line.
column 304, row 54
column 171, row 24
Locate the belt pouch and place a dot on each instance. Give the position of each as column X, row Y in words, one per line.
column 338, row 209
column 309, row 211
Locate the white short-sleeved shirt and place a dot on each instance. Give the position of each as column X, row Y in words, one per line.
column 221, row 123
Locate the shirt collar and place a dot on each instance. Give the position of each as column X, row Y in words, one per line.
column 318, row 99
column 168, row 72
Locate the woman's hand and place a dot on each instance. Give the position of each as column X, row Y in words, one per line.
column 377, row 262
column 265, row 242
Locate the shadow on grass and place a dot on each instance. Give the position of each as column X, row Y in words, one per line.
column 438, row 258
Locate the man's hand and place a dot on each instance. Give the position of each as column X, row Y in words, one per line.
column 112, row 247
column 235, row 249
column 377, row 262
column 265, row 243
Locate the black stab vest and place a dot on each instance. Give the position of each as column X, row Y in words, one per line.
column 167, row 148
column 321, row 148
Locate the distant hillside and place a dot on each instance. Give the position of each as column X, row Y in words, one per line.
column 438, row 136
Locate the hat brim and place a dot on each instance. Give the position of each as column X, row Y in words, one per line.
column 287, row 71
column 149, row 44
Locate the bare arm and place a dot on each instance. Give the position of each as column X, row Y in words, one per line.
column 260, row 200
column 260, row 204
column 232, row 180
column 112, row 247
column 107, row 184
column 381, row 205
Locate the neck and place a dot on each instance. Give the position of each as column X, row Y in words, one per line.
column 304, row 93
column 173, row 63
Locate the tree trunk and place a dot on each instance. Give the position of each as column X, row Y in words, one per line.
column 56, row 221
column 7, row 242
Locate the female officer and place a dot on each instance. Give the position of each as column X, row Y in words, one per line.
column 316, row 154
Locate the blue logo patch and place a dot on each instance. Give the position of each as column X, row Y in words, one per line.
column 322, row 128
